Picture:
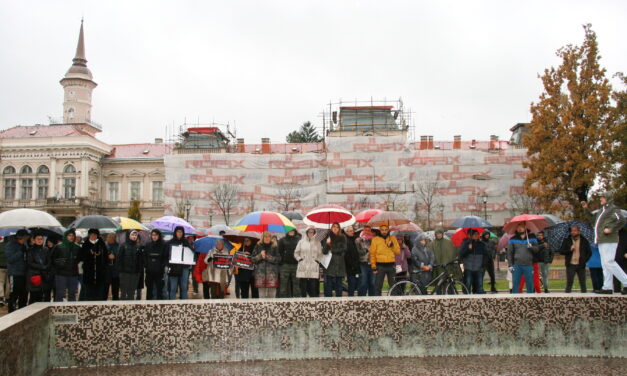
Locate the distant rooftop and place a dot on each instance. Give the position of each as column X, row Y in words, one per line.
column 21, row 131
column 139, row 151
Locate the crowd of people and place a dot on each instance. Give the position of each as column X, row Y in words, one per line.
column 42, row 267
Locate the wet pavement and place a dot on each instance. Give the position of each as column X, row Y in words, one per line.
column 435, row 366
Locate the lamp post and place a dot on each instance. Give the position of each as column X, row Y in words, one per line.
column 188, row 206
column 484, row 198
column 441, row 209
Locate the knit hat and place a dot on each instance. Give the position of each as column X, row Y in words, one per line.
column 93, row 231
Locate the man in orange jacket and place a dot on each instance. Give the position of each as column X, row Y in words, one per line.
column 383, row 251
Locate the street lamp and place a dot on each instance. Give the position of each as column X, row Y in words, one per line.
column 484, row 198
column 441, row 209
column 188, row 206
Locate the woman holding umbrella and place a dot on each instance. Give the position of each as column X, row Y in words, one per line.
column 244, row 277
column 267, row 258
column 336, row 270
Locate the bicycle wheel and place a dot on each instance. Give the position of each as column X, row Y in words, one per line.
column 404, row 288
column 456, row 287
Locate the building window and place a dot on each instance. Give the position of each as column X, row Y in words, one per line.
column 26, row 189
column 42, row 189
column 43, row 170
column 9, row 189
column 70, row 113
column 135, row 190
column 26, row 170
column 69, row 187
column 8, row 170
column 69, row 169
column 114, row 191
column 157, row 191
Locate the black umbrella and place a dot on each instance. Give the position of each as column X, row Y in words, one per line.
column 95, row 221
column 293, row 215
column 561, row 231
column 471, row 221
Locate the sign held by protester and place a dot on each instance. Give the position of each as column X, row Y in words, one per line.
column 243, row 261
column 222, row 261
column 182, row 255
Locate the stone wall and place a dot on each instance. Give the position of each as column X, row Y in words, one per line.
column 24, row 341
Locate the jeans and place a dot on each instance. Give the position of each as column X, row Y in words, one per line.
column 332, row 284
column 154, row 286
column 63, row 283
column 353, row 283
column 366, row 281
column 289, row 285
column 518, row 273
column 544, row 273
column 473, row 281
column 610, row 266
column 18, row 296
column 383, row 270
column 580, row 270
column 179, row 282
column 596, row 275
column 128, row 285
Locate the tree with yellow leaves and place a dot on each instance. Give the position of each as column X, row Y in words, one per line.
column 572, row 134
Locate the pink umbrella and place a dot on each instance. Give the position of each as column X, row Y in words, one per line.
column 407, row 227
column 533, row 223
column 324, row 216
column 364, row 216
column 503, row 241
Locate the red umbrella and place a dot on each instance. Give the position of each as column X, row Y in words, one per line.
column 462, row 233
column 388, row 218
column 533, row 223
column 324, row 216
column 407, row 227
column 364, row 216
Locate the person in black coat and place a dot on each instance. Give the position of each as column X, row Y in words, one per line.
column 351, row 260
column 577, row 251
column 131, row 264
column 38, row 276
column 474, row 255
column 178, row 274
column 289, row 286
column 155, row 261
column 95, row 257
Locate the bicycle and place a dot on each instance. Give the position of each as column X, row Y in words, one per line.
column 444, row 284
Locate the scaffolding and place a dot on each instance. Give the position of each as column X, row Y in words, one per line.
column 202, row 136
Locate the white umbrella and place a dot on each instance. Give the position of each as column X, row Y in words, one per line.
column 27, row 218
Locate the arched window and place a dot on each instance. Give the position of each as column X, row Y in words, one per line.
column 9, row 170
column 70, row 113
column 43, row 170
column 26, row 170
column 69, row 169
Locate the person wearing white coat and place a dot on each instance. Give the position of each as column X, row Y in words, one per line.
column 308, row 253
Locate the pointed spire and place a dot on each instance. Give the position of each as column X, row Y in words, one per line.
column 80, row 59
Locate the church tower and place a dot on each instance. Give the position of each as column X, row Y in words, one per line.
column 77, row 86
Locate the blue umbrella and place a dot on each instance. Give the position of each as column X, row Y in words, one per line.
column 204, row 245
column 561, row 231
column 471, row 221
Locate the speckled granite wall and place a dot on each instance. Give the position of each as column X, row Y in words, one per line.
column 24, row 337
column 193, row 331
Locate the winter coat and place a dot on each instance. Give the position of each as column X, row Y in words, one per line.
column 545, row 252
column 444, row 252
column 402, row 258
column 65, row 257
column 113, row 267
column 39, row 263
column 308, row 253
column 266, row 270
column 595, row 258
column 16, row 258
column 584, row 251
column 155, row 257
column 216, row 275
column 287, row 245
column 607, row 217
column 245, row 275
column 176, row 270
column 421, row 256
column 95, row 260
column 351, row 257
column 490, row 247
column 130, row 257
column 520, row 251
column 383, row 250
column 337, row 266
column 363, row 248
column 474, row 259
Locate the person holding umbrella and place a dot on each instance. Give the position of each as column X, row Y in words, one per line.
column 335, row 243
column 65, row 258
column 607, row 223
column 215, row 278
column 267, row 258
column 366, row 277
column 520, row 251
column 16, row 269
column 95, row 257
column 474, row 254
column 577, row 251
column 244, row 277
column 383, row 251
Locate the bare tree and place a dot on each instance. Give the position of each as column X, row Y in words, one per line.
column 179, row 207
column 363, row 202
column 225, row 196
column 521, row 203
column 251, row 203
column 426, row 197
column 392, row 201
column 287, row 195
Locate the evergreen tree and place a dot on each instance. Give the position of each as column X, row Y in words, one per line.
column 307, row 133
column 572, row 130
column 134, row 212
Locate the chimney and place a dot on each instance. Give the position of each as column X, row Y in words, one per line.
column 240, row 145
column 473, row 144
column 430, row 142
column 423, row 142
column 494, row 142
column 158, row 140
column 265, row 145
column 457, row 142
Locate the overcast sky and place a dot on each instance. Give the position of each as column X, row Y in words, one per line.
column 463, row 67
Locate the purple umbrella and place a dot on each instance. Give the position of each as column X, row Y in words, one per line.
column 169, row 223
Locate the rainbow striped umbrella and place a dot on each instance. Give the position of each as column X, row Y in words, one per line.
column 265, row 221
